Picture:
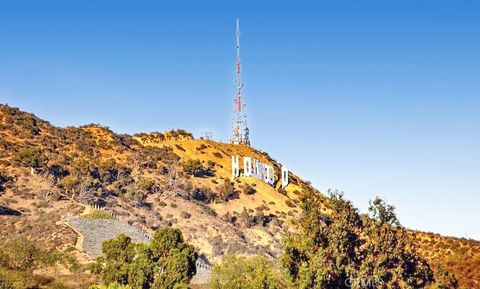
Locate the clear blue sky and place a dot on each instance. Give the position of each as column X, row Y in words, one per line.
column 370, row 97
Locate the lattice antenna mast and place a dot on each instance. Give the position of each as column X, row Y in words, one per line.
column 240, row 131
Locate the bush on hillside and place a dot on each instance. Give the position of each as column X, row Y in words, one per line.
column 201, row 147
column 226, row 192
column 246, row 273
column 4, row 178
column 205, row 195
column 108, row 171
column 28, row 123
column 146, row 184
column 218, row 155
column 195, row 168
column 32, row 157
column 248, row 189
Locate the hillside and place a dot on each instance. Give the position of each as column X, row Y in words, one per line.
column 157, row 179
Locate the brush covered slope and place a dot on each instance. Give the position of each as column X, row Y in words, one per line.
column 155, row 180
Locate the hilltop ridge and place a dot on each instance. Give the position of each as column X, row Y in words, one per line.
column 157, row 179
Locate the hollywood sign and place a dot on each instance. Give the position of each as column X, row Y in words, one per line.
column 257, row 169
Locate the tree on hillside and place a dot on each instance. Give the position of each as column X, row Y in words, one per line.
column 387, row 252
column 343, row 249
column 174, row 256
column 163, row 263
column 118, row 254
column 32, row 157
column 324, row 254
column 75, row 188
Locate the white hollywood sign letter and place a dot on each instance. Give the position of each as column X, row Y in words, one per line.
column 235, row 167
column 247, row 167
column 271, row 176
column 284, row 177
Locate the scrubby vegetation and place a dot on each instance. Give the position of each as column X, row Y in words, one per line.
column 46, row 171
column 97, row 214
column 195, row 168
column 247, row 273
column 4, row 179
column 19, row 258
column 226, row 191
column 345, row 247
column 340, row 250
column 32, row 157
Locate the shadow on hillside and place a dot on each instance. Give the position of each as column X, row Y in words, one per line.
column 205, row 174
column 4, row 211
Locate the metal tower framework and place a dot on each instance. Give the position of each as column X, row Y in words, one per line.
column 240, row 132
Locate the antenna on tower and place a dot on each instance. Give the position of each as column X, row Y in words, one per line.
column 240, row 131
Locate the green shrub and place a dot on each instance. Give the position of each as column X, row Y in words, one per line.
column 218, row 155
column 246, row 273
column 194, row 167
column 204, row 194
column 57, row 285
column 146, row 184
column 162, row 204
column 32, row 157
column 97, row 214
column 201, row 147
column 180, row 286
column 5, row 282
column 11, row 279
column 248, row 189
column 226, row 191
column 290, row 203
column 25, row 255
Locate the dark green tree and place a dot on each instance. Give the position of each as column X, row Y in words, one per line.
column 323, row 254
column 343, row 249
column 388, row 256
column 175, row 258
column 118, row 253
column 142, row 269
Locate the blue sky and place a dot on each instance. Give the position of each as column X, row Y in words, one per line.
column 370, row 97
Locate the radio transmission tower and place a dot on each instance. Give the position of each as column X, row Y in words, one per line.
column 240, row 132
